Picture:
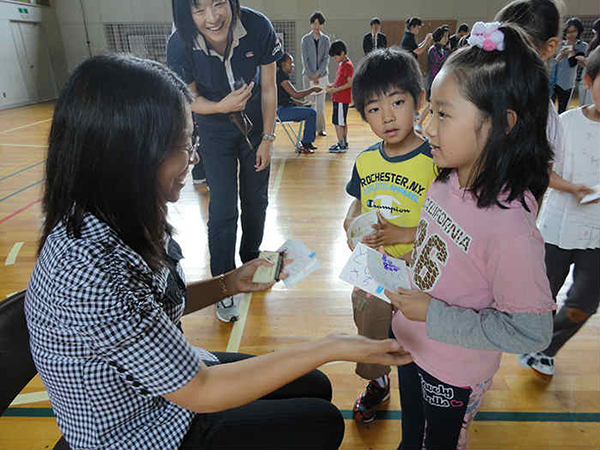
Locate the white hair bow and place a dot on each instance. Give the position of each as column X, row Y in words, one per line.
column 487, row 36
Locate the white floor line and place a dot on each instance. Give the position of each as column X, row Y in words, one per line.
column 238, row 327
column 24, row 126
column 24, row 145
column 31, row 397
column 12, row 255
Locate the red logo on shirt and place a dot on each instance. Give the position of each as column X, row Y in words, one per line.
column 249, row 54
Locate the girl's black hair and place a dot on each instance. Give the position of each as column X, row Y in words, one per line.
column 596, row 40
column 539, row 18
column 574, row 22
column 592, row 67
column 285, row 57
column 182, row 17
column 513, row 160
column 384, row 70
column 439, row 33
column 115, row 121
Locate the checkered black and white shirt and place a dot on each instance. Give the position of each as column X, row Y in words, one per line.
column 107, row 343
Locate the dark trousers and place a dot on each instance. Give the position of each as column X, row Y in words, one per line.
column 299, row 416
column 563, row 96
column 431, row 409
column 228, row 159
column 297, row 114
column 584, row 294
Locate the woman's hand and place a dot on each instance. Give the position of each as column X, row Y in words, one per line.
column 240, row 279
column 412, row 303
column 263, row 155
column 236, row 100
column 354, row 348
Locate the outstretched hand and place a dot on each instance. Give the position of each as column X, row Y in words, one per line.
column 354, row 348
column 581, row 190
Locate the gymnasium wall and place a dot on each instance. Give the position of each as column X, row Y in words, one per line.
column 346, row 19
column 26, row 57
column 111, row 24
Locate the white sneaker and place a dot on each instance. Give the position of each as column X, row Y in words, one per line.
column 539, row 362
column 227, row 309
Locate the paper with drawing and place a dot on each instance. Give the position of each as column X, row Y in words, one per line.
column 373, row 272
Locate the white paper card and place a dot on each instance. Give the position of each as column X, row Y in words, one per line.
column 304, row 261
column 372, row 271
column 361, row 226
column 593, row 196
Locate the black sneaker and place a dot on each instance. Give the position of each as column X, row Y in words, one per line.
column 365, row 406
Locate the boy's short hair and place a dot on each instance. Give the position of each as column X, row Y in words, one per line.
column 382, row 71
column 375, row 20
column 412, row 22
column 318, row 15
column 337, row 47
column 593, row 64
column 464, row 28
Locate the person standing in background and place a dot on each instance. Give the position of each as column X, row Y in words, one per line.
column 374, row 39
column 226, row 54
column 315, row 62
column 463, row 30
column 566, row 62
column 409, row 41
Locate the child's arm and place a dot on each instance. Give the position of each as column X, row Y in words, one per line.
column 333, row 89
column 353, row 211
column 488, row 329
column 387, row 233
column 577, row 190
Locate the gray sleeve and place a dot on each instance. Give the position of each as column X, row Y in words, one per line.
column 309, row 63
column 488, row 329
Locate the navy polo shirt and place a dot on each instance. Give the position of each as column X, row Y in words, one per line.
column 409, row 43
column 257, row 46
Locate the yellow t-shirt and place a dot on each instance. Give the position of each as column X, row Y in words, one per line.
column 396, row 187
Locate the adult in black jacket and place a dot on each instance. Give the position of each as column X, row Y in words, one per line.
column 374, row 39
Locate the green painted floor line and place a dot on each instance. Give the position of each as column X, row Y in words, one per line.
column 482, row 416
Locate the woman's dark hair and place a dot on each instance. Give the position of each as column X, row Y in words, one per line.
column 382, row 71
column 318, row 15
column 596, row 40
column 413, row 21
column 539, row 18
column 574, row 22
column 592, row 67
column 515, row 159
column 464, row 28
column 182, row 17
column 375, row 20
column 285, row 57
column 115, row 121
column 439, row 33
column 337, row 47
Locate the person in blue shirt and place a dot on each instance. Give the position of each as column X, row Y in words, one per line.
column 227, row 54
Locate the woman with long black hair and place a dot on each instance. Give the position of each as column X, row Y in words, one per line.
column 106, row 297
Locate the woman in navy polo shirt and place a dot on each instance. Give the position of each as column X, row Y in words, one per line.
column 227, row 54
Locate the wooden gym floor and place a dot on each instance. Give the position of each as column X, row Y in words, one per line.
column 307, row 202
